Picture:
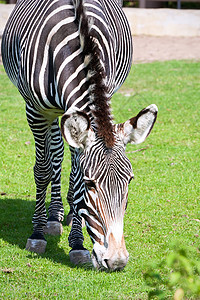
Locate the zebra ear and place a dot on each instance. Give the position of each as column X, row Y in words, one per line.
column 76, row 130
column 136, row 130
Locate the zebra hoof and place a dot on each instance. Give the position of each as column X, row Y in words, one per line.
column 80, row 257
column 53, row 228
column 37, row 246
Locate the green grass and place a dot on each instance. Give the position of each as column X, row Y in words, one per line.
column 163, row 203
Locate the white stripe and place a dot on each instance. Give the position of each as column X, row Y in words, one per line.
column 65, row 62
column 73, row 106
column 64, row 42
column 91, row 14
column 89, row 5
column 71, row 78
column 76, row 89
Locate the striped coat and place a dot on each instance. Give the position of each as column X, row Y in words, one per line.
column 67, row 58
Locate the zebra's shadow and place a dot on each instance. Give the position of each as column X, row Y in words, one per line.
column 16, row 227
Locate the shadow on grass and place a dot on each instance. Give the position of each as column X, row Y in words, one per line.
column 16, row 227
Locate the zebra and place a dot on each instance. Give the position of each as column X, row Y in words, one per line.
column 67, row 58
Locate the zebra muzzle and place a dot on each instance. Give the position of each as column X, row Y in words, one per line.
column 112, row 258
column 116, row 255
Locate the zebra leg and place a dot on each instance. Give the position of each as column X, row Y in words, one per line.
column 56, row 210
column 70, row 194
column 43, row 171
column 78, row 254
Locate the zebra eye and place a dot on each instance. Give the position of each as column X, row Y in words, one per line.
column 90, row 184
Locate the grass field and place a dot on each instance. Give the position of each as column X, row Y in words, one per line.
column 163, row 207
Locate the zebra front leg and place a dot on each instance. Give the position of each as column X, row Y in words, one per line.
column 70, row 197
column 70, row 194
column 56, row 210
column 78, row 254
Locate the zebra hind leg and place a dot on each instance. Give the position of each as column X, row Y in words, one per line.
column 36, row 242
column 56, row 210
column 43, row 172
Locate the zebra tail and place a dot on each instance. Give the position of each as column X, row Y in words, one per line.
column 98, row 91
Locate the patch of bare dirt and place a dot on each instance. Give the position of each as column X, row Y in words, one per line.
column 151, row 48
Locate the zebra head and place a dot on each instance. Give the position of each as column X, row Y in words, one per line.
column 101, row 181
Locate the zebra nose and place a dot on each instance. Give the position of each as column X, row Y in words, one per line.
column 116, row 263
column 116, row 255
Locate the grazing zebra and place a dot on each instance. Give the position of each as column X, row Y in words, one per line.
column 67, row 58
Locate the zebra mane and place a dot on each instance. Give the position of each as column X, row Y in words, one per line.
column 98, row 92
